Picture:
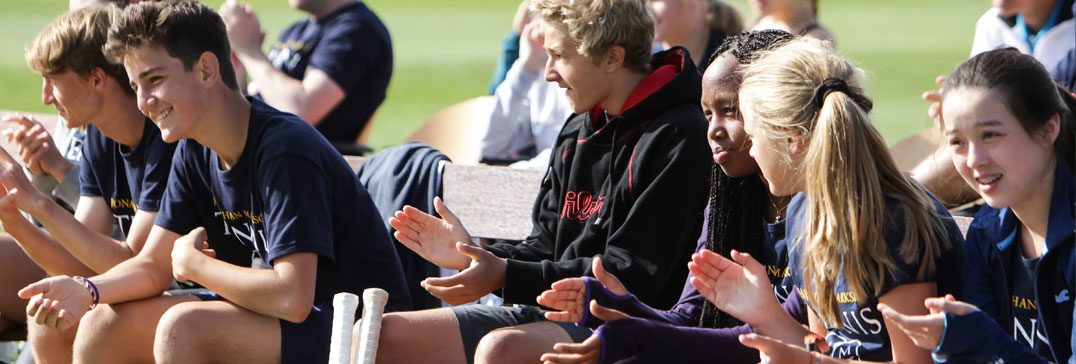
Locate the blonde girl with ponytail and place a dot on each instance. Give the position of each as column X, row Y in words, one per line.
column 862, row 232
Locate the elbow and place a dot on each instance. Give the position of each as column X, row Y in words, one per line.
column 296, row 310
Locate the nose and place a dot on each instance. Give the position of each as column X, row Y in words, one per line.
column 978, row 156
column 46, row 92
column 550, row 73
column 146, row 101
column 715, row 129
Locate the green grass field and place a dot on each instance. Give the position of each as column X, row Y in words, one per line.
column 445, row 51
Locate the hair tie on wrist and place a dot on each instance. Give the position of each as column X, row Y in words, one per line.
column 829, row 85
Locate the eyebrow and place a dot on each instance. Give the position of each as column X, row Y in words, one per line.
column 978, row 124
column 151, row 70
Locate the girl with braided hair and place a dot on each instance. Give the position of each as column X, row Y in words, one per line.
column 859, row 231
column 741, row 215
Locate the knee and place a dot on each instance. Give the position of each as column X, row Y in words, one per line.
column 177, row 334
column 393, row 332
column 505, row 345
column 97, row 330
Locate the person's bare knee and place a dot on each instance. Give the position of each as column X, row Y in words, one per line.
column 519, row 344
column 177, row 335
column 417, row 336
column 97, row 334
column 50, row 345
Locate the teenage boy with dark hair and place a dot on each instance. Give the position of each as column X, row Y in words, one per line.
column 123, row 173
column 627, row 181
column 245, row 176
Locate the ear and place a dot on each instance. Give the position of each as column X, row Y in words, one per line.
column 97, row 78
column 797, row 143
column 208, row 68
column 1049, row 131
column 614, row 58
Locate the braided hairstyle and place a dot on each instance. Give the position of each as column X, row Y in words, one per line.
column 737, row 206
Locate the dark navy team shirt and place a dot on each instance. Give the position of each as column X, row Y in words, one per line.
column 864, row 335
column 289, row 192
column 352, row 46
column 1026, row 327
column 128, row 180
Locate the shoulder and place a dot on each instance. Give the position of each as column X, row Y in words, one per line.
column 356, row 18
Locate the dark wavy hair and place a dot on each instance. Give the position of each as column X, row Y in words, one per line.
column 737, row 207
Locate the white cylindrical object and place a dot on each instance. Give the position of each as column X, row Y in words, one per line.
column 344, row 306
column 373, row 306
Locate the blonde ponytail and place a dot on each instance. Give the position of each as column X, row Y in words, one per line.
column 847, row 174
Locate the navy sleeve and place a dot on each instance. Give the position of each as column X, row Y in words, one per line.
column 297, row 202
column 348, row 50
column 976, row 337
column 158, row 165
column 685, row 313
column 656, row 341
column 88, row 185
column 178, row 213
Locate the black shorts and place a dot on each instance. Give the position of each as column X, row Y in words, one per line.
column 478, row 320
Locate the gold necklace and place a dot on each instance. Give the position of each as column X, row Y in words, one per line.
column 775, row 209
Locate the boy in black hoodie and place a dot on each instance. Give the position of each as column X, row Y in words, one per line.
column 627, row 181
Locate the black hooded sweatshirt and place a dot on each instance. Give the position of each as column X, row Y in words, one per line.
column 631, row 190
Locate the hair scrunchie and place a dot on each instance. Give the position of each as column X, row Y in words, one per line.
column 829, row 85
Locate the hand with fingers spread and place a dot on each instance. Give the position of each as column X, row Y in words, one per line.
column 567, row 295
column 186, row 250
column 774, row 351
column 739, row 288
column 588, row 351
column 926, row 330
column 483, row 276
column 432, row 238
column 934, row 98
column 57, row 302
column 35, row 146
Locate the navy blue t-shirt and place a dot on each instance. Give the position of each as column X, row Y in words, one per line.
column 352, row 46
column 128, row 180
column 289, row 192
column 1026, row 326
column 776, row 260
column 864, row 335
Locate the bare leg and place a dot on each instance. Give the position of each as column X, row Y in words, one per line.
column 16, row 272
column 520, row 344
column 216, row 331
column 122, row 333
column 428, row 336
column 50, row 345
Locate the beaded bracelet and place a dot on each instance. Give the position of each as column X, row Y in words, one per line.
column 94, row 294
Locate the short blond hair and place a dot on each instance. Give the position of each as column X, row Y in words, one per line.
column 597, row 25
column 73, row 42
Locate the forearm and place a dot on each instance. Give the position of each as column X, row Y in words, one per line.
column 265, row 291
column 137, row 278
column 286, row 94
column 660, row 342
column 97, row 251
column 45, row 251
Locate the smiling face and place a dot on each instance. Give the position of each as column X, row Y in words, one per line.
column 573, row 71
column 174, row 98
column 991, row 150
column 728, row 141
column 73, row 96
